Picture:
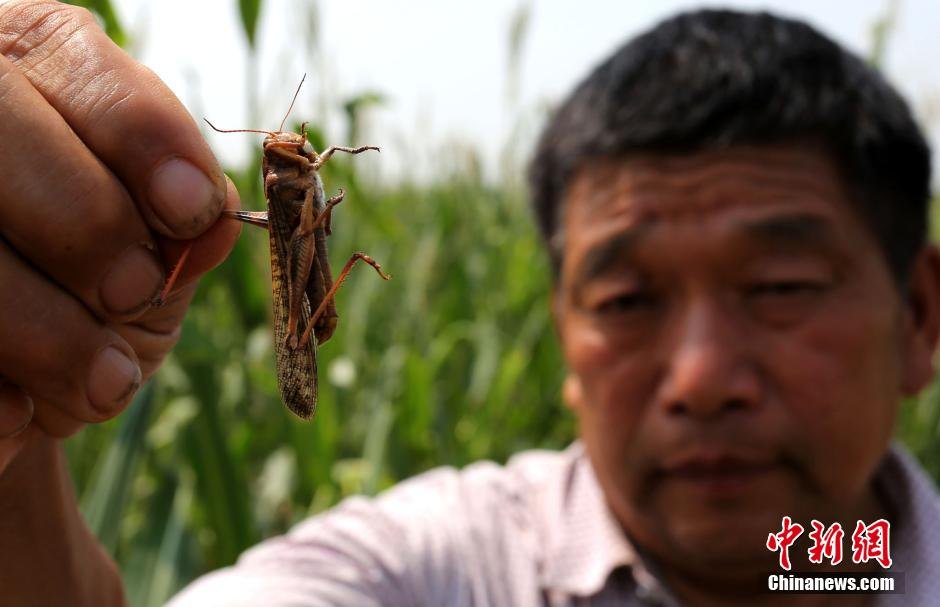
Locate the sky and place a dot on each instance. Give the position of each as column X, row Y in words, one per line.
column 442, row 68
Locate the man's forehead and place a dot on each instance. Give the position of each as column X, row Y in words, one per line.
column 783, row 197
column 651, row 186
column 781, row 230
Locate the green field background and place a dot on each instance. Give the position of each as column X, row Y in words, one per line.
column 453, row 360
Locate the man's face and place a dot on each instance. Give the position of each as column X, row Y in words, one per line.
column 736, row 346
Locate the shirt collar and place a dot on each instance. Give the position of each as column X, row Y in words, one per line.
column 589, row 543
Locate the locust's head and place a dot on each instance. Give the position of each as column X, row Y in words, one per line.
column 294, row 142
column 286, row 140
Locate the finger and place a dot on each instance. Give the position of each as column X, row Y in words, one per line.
column 156, row 332
column 65, row 359
column 122, row 112
column 207, row 250
column 16, row 410
column 65, row 212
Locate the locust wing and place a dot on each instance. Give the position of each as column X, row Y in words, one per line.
column 296, row 368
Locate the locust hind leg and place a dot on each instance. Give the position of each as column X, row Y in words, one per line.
column 357, row 256
column 301, row 252
column 323, row 157
column 161, row 298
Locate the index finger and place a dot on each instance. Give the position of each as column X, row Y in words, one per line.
column 122, row 112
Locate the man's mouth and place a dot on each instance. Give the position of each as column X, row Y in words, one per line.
column 718, row 473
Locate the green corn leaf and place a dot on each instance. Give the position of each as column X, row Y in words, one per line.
column 104, row 499
column 249, row 10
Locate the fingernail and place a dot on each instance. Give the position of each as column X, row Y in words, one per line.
column 184, row 198
column 113, row 380
column 16, row 410
column 132, row 282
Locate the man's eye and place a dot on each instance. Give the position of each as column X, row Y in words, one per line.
column 624, row 302
column 786, row 288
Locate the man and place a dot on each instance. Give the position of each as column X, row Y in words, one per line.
column 735, row 209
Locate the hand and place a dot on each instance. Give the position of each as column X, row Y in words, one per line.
column 101, row 171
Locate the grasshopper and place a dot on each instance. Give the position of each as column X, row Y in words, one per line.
column 298, row 221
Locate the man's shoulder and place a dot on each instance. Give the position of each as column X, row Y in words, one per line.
column 913, row 500
column 522, row 473
column 908, row 488
column 468, row 497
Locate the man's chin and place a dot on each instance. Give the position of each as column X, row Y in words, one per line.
column 731, row 546
column 723, row 520
column 742, row 538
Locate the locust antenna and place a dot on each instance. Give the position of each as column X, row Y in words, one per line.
column 215, row 128
column 297, row 92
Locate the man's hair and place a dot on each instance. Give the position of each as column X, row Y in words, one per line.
column 711, row 79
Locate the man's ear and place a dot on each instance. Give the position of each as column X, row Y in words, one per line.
column 572, row 391
column 922, row 321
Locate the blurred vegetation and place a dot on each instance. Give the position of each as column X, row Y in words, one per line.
column 452, row 361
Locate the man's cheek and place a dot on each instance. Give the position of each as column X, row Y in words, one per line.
column 606, row 397
column 844, row 423
column 587, row 346
column 613, row 396
column 848, row 441
column 602, row 357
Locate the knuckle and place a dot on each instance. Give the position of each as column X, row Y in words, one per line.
column 80, row 14
column 29, row 26
column 99, row 95
column 64, row 51
column 76, row 16
column 94, row 219
column 100, row 233
column 42, row 358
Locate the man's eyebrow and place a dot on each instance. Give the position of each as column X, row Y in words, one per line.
column 803, row 230
column 602, row 256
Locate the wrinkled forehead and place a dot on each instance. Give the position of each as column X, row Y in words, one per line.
column 693, row 186
column 774, row 193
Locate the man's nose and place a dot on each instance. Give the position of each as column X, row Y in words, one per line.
column 710, row 366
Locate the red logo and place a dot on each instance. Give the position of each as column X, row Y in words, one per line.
column 784, row 539
column 827, row 543
column 872, row 542
column 869, row 542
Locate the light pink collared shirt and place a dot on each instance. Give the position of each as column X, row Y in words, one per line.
column 533, row 533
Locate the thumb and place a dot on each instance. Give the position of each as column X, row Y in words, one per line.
column 122, row 112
